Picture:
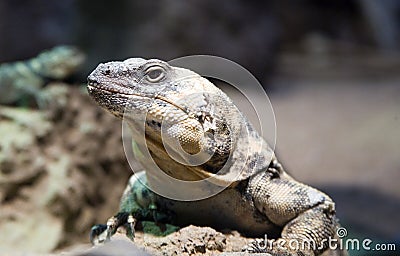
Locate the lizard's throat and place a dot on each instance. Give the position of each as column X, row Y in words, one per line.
column 169, row 166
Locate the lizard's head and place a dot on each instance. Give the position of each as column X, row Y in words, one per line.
column 129, row 85
column 184, row 116
column 58, row 62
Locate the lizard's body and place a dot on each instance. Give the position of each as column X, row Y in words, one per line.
column 228, row 209
column 178, row 105
column 27, row 78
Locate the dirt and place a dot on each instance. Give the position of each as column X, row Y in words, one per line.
column 191, row 240
column 62, row 170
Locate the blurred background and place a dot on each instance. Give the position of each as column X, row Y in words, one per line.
column 330, row 68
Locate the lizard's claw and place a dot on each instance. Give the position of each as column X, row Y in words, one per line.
column 130, row 229
column 111, row 227
column 103, row 233
column 96, row 232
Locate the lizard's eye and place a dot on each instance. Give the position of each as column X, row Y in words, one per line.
column 155, row 74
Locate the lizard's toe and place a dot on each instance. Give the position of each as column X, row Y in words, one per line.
column 103, row 233
column 97, row 234
column 130, row 227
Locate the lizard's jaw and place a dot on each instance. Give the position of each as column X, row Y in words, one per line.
column 116, row 99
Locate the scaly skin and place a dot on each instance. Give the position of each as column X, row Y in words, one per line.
column 177, row 105
column 27, row 78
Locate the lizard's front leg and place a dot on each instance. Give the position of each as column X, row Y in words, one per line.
column 137, row 204
column 306, row 214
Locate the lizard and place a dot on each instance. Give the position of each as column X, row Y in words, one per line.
column 174, row 113
column 22, row 79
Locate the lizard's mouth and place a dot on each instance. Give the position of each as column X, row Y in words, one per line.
column 118, row 91
column 113, row 88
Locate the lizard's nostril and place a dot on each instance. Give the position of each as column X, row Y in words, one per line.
column 91, row 79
